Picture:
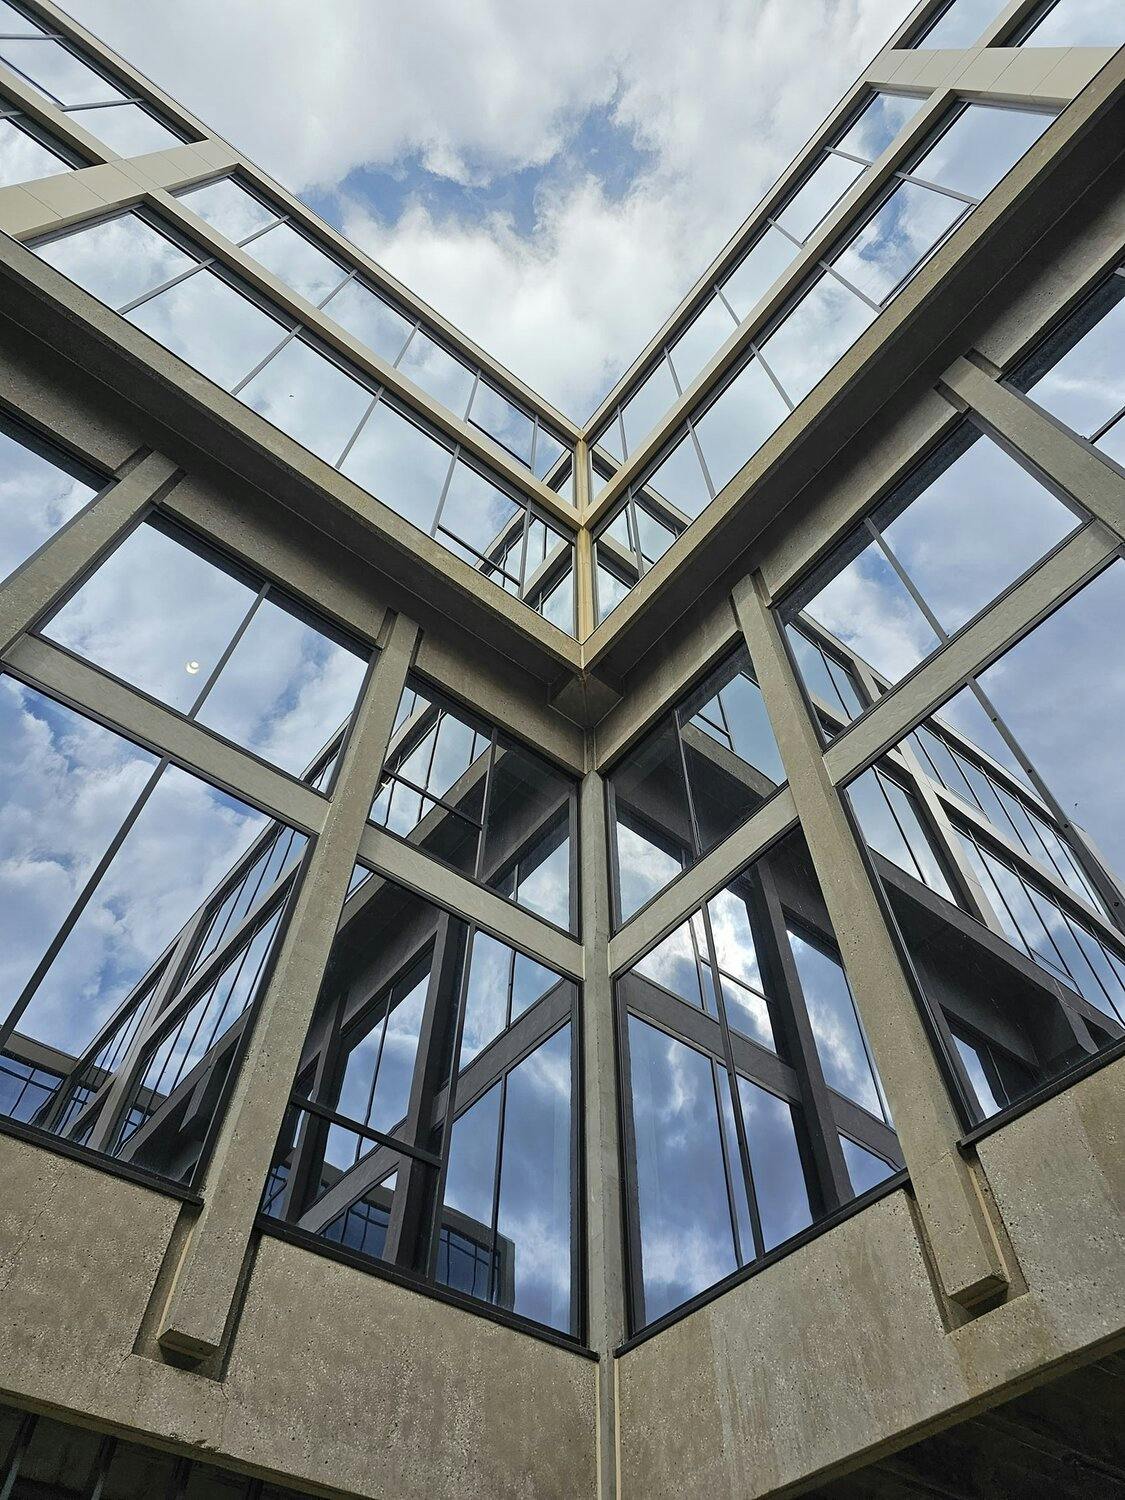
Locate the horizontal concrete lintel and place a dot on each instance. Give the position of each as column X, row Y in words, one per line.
column 427, row 877
column 150, row 724
column 975, row 648
column 698, row 884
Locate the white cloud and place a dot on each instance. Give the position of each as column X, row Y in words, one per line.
column 720, row 96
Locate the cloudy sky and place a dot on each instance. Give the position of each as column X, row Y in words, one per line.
column 552, row 178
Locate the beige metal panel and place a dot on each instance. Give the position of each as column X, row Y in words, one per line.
column 697, row 884
column 971, row 650
column 420, row 872
column 962, row 1237
column 209, row 1267
column 151, row 724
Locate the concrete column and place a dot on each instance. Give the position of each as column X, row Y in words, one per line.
column 68, row 554
column 1073, row 465
column 965, row 1251
column 205, row 1282
column 604, row 1229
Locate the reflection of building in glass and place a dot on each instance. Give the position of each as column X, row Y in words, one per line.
column 553, row 958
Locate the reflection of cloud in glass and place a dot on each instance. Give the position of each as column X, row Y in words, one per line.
column 36, row 499
column 118, row 260
column 1087, row 386
column 895, row 239
column 739, row 422
column 643, row 869
column 867, row 607
column 24, row 159
column 826, row 322
column 210, row 326
column 297, row 262
column 310, row 398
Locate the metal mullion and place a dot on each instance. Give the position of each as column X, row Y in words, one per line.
column 633, row 1264
column 843, row 280
column 409, row 340
column 693, row 819
column 380, row 1137
column 918, row 875
column 732, row 1083
column 226, row 656
column 708, row 481
column 782, row 392
column 936, row 187
column 20, row 1444
column 350, row 274
column 7, row 1026
column 486, row 808
column 262, row 363
column 1101, row 431
column 792, row 238
column 908, row 583
column 308, row 1142
column 498, row 1167
column 164, row 286
column 862, row 161
column 73, row 109
column 722, row 298
column 99, row 1470
column 256, row 234
column 834, row 1182
column 454, row 453
column 362, row 423
column 741, row 1258
column 437, row 801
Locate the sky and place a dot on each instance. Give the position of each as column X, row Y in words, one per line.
column 552, row 179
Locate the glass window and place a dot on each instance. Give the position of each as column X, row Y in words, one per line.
column 439, row 374
column 117, row 261
column 475, row 511
column 881, row 121
column 57, row 71
column 889, row 820
column 456, row 1172
column 748, row 283
column 821, row 327
column 173, row 618
column 548, row 452
column 24, row 157
column 40, row 490
column 701, row 340
column 979, row 148
column 309, row 397
column 399, row 464
column 1079, row 375
column 749, row 409
column 961, row 24
column 712, row 1186
column 1079, row 23
column 478, row 800
column 297, row 261
column 510, row 426
column 1002, row 521
column 691, row 781
column 212, row 326
column 830, row 683
column 644, row 409
column 897, row 239
column 229, row 208
column 14, row 22
column 129, row 129
column 371, row 320
column 820, row 192
column 679, row 479
column 611, row 591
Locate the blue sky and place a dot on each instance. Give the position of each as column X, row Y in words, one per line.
column 552, row 179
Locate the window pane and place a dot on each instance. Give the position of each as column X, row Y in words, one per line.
column 400, row 465
column 285, row 689
column 826, row 680
column 865, row 1169
column 557, row 607
column 1086, row 387
column 548, row 451
column 879, row 123
column 610, row 439
column 503, row 421
column 533, row 1222
column 117, row 261
column 486, row 998
column 1080, row 23
column 897, row 239
column 40, row 490
column 129, row 130
column 524, row 795
column 157, row 614
column 310, row 398
column 700, row 340
column 888, row 818
column 371, row 320
column 1001, row 521
column 817, row 195
column 740, row 977
column 229, row 208
column 647, row 405
column 679, row 480
column 211, row 326
column 68, row 788
column 611, row 591
column 24, row 158
column 823, row 326
column 465, row 1251
column 961, row 24
column 13, row 22
column 687, row 1242
column 748, row 283
column 738, row 423
column 442, row 376
column 839, row 1038
column 775, row 1161
column 650, row 792
column 642, row 868
column 1065, row 664
column 673, row 965
column 57, row 71
column 296, row 260
column 980, row 146
column 475, row 511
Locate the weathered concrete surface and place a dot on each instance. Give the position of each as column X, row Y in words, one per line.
column 336, row 1379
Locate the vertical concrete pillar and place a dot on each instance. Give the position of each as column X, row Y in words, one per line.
column 205, row 1281
column 605, row 1266
column 68, row 554
column 963, row 1242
